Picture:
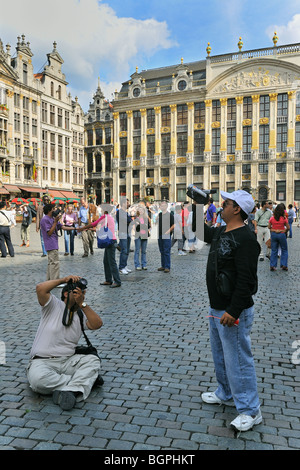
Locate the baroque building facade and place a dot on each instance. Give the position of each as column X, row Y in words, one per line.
column 228, row 122
column 38, row 120
column 99, row 149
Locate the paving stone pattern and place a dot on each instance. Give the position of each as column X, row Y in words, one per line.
column 156, row 358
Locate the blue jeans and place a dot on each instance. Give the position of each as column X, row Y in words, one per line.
column 110, row 265
column 124, row 244
column 43, row 244
column 164, row 245
column 290, row 224
column 69, row 237
column 234, row 363
column 278, row 239
column 140, row 246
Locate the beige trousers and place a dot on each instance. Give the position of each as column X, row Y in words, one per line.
column 53, row 265
column 74, row 373
column 88, row 241
column 263, row 234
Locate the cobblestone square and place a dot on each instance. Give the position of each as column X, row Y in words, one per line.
column 156, row 358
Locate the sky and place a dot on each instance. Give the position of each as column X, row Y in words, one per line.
column 109, row 38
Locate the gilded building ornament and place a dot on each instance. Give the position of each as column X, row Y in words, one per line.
column 239, row 99
column 165, row 130
column 264, row 120
column 207, row 103
column 247, row 122
column 273, row 96
column 215, row 125
column 150, row 131
column 200, row 126
column 223, row 101
column 255, row 98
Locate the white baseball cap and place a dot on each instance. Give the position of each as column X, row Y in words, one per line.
column 242, row 198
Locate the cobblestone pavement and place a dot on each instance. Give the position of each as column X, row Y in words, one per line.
column 156, row 358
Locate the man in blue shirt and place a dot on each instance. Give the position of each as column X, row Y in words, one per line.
column 87, row 235
column 211, row 213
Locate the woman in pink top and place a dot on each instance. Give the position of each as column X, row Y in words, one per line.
column 70, row 219
column 278, row 226
column 111, row 270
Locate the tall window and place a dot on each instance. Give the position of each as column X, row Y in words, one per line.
column 52, row 146
column 181, row 144
column 52, row 89
column 263, row 138
column 136, row 119
column 199, row 113
column 282, row 104
column 247, row 139
column 60, row 148
column 52, row 114
column 123, row 148
column 150, row 118
column 216, row 111
column 17, row 122
column 182, row 114
column 215, row 147
column 297, row 137
column 166, row 116
column 247, row 107
column 25, row 73
column 165, row 145
column 281, row 137
column 136, row 148
column 231, row 140
column 59, row 117
column 45, row 145
column 123, row 122
column 44, row 112
column 264, row 106
column 231, row 109
column 199, row 142
column 150, row 145
column 67, row 120
column 107, row 135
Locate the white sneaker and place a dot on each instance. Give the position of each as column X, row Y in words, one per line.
column 211, row 398
column 138, row 269
column 181, row 253
column 246, row 422
column 123, row 271
column 127, row 269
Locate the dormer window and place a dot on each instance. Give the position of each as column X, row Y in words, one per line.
column 25, row 73
column 136, row 92
column 181, row 85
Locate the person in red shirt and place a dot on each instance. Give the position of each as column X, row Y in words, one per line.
column 278, row 226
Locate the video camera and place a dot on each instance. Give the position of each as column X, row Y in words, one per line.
column 201, row 196
column 56, row 212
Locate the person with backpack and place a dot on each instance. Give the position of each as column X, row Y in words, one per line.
column 111, row 271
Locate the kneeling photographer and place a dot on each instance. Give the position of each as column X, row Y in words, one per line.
column 56, row 367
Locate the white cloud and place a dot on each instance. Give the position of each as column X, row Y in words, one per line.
column 287, row 34
column 90, row 37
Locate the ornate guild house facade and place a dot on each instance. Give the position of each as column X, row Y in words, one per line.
column 228, row 122
column 38, row 120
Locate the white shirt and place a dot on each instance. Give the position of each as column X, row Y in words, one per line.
column 5, row 221
column 53, row 338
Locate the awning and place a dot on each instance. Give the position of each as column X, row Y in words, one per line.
column 55, row 193
column 3, row 191
column 70, row 194
column 11, row 188
column 30, row 189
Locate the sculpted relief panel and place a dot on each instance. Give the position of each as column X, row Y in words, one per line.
column 258, row 77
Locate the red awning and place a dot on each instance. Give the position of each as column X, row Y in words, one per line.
column 69, row 194
column 55, row 193
column 3, row 191
column 32, row 189
column 11, row 188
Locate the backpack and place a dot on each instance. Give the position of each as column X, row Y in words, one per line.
column 104, row 236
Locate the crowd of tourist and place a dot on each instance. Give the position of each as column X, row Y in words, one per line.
column 272, row 224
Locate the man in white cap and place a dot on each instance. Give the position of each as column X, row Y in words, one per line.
column 231, row 278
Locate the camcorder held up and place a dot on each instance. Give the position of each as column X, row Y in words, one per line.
column 201, row 196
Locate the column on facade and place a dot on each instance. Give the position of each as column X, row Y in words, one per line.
column 272, row 145
column 190, row 143
column 207, row 149
column 157, row 153
column 173, row 152
column 239, row 141
column 116, row 154
column 39, row 166
column 255, row 141
column 290, row 177
column 223, row 145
